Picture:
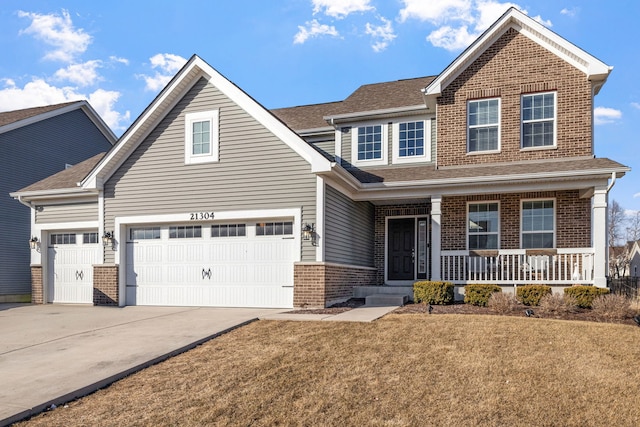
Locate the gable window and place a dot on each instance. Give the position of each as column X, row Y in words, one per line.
column 411, row 141
column 539, row 120
column 201, row 137
column 369, row 145
column 483, row 228
column 538, row 224
column 483, row 120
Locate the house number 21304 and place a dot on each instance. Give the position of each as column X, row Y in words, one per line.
column 196, row 216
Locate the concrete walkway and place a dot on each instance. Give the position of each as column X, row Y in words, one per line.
column 51, row 354
column 360, row 314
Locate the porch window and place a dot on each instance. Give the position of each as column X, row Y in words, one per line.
column 538, row 224
column 483, row 120
column 483, row 225
column 539, row 120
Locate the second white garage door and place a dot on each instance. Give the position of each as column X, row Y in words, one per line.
column 222, row 265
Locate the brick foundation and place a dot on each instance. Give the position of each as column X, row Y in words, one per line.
column 105, row 285
column 320, row 284
column 37, row 289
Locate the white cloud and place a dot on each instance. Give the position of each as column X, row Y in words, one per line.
column 120, row 60
column 605, row 115
column 451, row 38
column 636, row 195
column 570, row 12
column 57, row 31
column 546, row 23
column 435, row 11
column 383, row 34
column 84, row 74
column 313, row 29
column 636, row 105
column 489, row 11
column 166, row 66
column 103, row 101
column 341, row 8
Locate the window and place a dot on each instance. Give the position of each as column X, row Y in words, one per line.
column 483, row 119
column 538, row 224
column 412, row 141
column 185, row 232
column 201, row 137
column 369, row 145
column 538, row 120
column 274, row 228
column 144, row 233
column 63, row 239
column 483, row 225
column 89, row 238
column 228, row 230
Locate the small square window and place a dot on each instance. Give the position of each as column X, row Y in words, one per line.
column 201, row 137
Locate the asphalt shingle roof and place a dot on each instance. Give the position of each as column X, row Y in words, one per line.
column 67, row 178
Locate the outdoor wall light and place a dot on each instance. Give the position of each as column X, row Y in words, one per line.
column 309, row 233
column 33, row 242
column 107, row 238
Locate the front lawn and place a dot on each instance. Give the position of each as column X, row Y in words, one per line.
column 402, row 370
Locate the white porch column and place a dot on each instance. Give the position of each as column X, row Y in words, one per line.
column 599, row 240
column 436, row 236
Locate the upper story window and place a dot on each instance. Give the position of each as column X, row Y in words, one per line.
column 538, row 224
column 539, row 120
column 411, row 141
column 201, row 137
column 483, row 225
column 369, row 145
column 483, row 119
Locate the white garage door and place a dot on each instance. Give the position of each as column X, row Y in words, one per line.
column 222, row 265
column 71, row 256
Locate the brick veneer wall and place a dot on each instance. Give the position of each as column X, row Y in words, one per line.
column 573, row 219
column 37, row 289
column 512, row 66
column 320, row 284
column 105, row 285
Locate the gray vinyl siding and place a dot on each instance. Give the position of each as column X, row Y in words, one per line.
column 345, row 134
column 29, row 154
column 327, row 148
column 349, row 230
column 255, row 170
column 67, row 213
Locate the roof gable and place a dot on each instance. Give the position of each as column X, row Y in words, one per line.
column 594, row 69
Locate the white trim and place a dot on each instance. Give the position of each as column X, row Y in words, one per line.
column 338, row 145
column 485, row 202
column 384, row 136
column 211, row 116
column 555, row 218
column 80, row 225
column 492, row 151
column 555, row 121
column 320, row 207
column 395, row 141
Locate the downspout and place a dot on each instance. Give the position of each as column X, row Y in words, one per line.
column 613, row 181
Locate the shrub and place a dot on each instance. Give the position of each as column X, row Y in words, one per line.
column 532, row 294
column 502, row 302
column 612, row 306
column 479, row 294
column 433, row 292
column 558, row 304
column 585, row 294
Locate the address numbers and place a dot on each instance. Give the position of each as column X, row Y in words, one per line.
column 200, row 216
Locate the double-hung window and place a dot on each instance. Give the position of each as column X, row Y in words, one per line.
column 483, row 120
column 539, row 120
column 369, row 144
column 538, row 224
column 411, row 141
column 483, row 228
column 201, row 137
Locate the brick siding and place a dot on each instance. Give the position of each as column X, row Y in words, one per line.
column 37, row 289
column 105, row 285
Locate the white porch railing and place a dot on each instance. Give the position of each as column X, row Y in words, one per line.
column 519, row 266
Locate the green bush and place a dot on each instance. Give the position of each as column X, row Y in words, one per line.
column 532, row 294
column 433, row 292
column 479, row 294
column 585, row 295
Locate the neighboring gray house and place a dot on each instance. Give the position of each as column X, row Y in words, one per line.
column 484, row 173
column 35, row 143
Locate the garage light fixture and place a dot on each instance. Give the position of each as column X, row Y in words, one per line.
column 309, row 233
column 33, row 242
column 107, row 238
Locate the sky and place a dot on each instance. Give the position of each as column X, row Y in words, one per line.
column 119, row 54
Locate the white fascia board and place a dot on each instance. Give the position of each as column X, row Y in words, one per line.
column 51, row 194
column 346, row 117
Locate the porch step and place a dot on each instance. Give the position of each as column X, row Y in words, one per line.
column 384, row 300
column 365, row 291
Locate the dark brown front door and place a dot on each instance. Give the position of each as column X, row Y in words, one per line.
column 401, row 249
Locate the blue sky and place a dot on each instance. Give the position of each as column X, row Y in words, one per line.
column 119, row 54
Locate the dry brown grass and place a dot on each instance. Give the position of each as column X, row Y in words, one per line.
column 403, row 370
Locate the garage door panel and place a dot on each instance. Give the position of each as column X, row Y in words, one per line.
column 71, row 272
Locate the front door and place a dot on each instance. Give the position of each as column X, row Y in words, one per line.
column 407, row 249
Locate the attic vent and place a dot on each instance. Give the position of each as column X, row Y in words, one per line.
column 483, row 93
column 538, row 87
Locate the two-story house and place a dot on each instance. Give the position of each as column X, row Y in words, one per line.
column 484, row 173
column 35, row 143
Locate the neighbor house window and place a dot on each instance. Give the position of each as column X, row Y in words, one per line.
column 144, row 233
column 483, row 119
column 369, row 144
column 229, row 230
column 274, row 228
column 201, row 137
column 483, row 227
column 539, row 120
column 185, row 232
column 63, row 239
column 538, row 224
column 411, row 141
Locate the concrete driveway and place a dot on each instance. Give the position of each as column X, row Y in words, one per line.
column 50, row 354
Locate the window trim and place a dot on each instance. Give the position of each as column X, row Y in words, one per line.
column 395, row 141
column 385, row 145
column 212, row 116
column 483, row 202
column 555, row 121
column 555, row 219
column 499, row 124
